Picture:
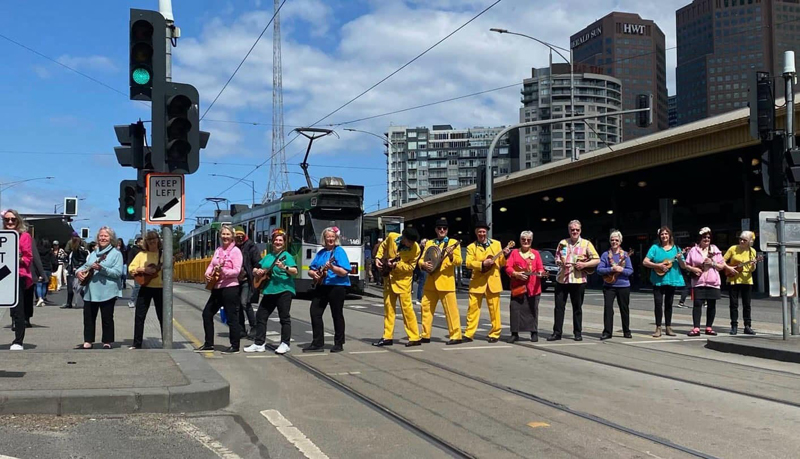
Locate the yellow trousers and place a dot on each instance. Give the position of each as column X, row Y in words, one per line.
column 450, row 305
column 474, row 313
column 409, row 316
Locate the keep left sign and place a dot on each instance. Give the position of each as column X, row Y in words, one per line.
column 9, row 268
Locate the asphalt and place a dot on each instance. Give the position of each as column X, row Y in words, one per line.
column 51, row 376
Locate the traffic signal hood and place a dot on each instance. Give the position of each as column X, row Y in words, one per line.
column 132, row 153
column 130, row 201
column 644, row 119
column 176, row 130
column 793, row 165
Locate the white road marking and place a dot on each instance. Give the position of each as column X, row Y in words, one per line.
column 262, row 357
column 293, row 434
column 311, row 332
column 567, row 344
column 414, row 350
column 7, row 457
column 480, row 330
column 367, row 352
column 474, row 347
column 274, row 319
column 357, row 306
column 204, row 439
column 436, row 314
column 346, row 373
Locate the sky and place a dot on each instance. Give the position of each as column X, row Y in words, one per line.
column 60, row 123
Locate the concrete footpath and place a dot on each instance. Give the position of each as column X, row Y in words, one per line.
column 51, row 376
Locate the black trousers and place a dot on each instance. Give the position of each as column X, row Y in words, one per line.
column 623, row 297
column 575, row 293
column 745, row 292
column 283, row 302
column 28, row 299
column 697, row 312
column 324, row 295
column 246, row 308
column 142, row 306
column 106, row 309
column 18, row 314
column 228, row 298
column 663, row 296
column 70, row 290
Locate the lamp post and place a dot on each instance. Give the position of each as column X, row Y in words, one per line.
column 12, row 184
column 554, row 48
column 251, row 182
column 388, row 143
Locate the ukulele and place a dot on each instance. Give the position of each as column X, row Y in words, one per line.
column 260, row 281
column 583, row 259
column 671, row 261
column 323, row 272
column 90, row 271
column 143, row 278
column 611, row 278
column 485, row 268
column 385, row 268
column 741, row 266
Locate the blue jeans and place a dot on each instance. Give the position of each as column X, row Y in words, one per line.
column 421, row 283
column 41, row 287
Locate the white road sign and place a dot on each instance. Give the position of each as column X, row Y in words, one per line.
column 165, row 199
column 9, row 268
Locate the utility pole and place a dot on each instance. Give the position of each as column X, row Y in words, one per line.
column 789, row 74
column 165, row 8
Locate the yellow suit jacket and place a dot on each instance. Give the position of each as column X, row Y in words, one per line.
column 402, row 275
column 444, row 279
column 491, row 278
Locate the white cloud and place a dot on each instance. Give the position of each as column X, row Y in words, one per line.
column 41, row 71
column 94, row 63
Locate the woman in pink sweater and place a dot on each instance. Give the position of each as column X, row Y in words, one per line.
column 13, row 221
column 222, row 275
column 705, row 262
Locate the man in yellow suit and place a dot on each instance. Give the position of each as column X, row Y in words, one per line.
column 441, row 285
column 399, row 254
column 485, row 257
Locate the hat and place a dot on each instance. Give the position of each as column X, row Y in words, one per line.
column 411, row 234
column 481, row 224
column 441, row 222
column 55, row 243
column 238, row 230
column 75, row 234
column 704, row 230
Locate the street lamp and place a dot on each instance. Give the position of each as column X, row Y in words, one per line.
column 12, row 184
column 252, row 185
column 554, row 48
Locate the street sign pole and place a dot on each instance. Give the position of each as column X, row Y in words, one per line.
column 782, row 273
column 789, row 74
column 165, row 7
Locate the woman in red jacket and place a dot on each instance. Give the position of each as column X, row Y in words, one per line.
column 524, row 267
column 13, row 221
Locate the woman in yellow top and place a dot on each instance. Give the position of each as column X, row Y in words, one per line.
column 741, row 284
column 147, row 263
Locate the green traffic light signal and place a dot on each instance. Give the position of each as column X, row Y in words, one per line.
column 141, row 76
column 130, row 210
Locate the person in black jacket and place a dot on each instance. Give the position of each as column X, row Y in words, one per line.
column 77, row 253
column 132, row 252
column 49, row 266
column 250, row 259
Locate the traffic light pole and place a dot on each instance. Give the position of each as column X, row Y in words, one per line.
column 789, row 75
column 165, row 7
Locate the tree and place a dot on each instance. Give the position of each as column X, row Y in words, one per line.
column 177, row 234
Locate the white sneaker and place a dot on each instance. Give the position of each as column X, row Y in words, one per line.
column 255, row 348
column 282, row 349
column 40, row 303
column 16, row 347
column 131, row 304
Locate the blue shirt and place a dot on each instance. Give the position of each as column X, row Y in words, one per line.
column 105, row 282
column 604, row 269
column 673, row 277
column 339, row 259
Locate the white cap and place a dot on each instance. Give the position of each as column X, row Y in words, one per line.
column 788, row 62
column 55, row 243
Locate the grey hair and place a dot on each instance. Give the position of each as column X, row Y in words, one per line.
column 330, row 230
column 22, row 226
column 112, row 235
column 575, row 222
column 526, row 233
column 751, row 236
column 617, row 234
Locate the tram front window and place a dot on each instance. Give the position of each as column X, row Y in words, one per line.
column 349, row 226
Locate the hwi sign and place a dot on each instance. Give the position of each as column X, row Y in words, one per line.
column 634, row 29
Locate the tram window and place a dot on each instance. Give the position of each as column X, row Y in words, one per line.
column 251, row 230
column 272, row 221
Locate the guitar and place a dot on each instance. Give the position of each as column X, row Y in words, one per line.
column 611, row 278
column 260, row 281
column 671, row 261
column 741, row 266
column 323, row 272
column 143, row 278
column 509, row 246
column 90, row 271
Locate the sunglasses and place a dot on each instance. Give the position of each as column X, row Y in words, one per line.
column 575, row 231
column 441, row 228
column 707, row 236
column 9, row 220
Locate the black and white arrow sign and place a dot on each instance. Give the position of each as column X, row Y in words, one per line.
column 165, row 199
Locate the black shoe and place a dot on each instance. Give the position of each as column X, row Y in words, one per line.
column 554, row 337
column 454, row 341
column 627, row 335
column 578, row 338
column 231, row 350
column 337, row 348
column 492, row 340
column 28, row 324
column 205, row 348
column 748, row 330
column 313, row 348
column 383, row 342
column 425, row 340
column 534, row 337
column 734, row 330
column 251, row 336
column 514, row 338
column 414, row 343
column 602, row 338
column 466, row 339
column 66, row 306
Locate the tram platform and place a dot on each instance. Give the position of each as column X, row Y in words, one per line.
column 765, row 347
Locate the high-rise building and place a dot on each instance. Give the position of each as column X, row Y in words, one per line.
column 546, row 95
column 722, row 43
column 672, row 111
column 631, row 49
column 424, row 162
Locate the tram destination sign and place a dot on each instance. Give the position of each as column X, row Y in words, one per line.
column 9, row 268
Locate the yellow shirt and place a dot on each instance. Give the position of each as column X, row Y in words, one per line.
column 401, row 276
column 443, row 279
column 141, row 260
column 736, row 255
column 479, row 282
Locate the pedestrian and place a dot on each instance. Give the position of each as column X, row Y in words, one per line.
column 376, row 275
column 250, row 259
column 278, row 293
column 741, row 260
column 330, row 271
column 440, row 285
column 103, row 268
column 61, row 272
column 616, row 268
column 145, row 269
column 77, row 254
column 49, row 265
column 485, row 257
column 124, row 251
column 37, row 274
column 525, row 268
column 134, row 250
column 705, row 261
column 368, row 260
column 13, row 221
column 665, row 260
column 222, row 277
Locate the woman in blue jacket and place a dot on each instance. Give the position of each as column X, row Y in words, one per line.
column 104, row 265
column 616, row 268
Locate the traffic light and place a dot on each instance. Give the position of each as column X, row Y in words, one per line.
column 644, row 119
column 793, row 165
column 71, row 206
column 176, row 130
column 762, row 106
column 148, row 60
column 130, row 201
column 132, row 153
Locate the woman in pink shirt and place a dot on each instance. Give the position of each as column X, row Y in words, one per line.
column 524, row 267
column 225, row 267
column 13, row 221
column 704, row 261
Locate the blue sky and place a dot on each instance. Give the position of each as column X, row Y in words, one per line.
column 58, row 123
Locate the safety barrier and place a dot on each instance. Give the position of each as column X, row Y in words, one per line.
column 191, row 270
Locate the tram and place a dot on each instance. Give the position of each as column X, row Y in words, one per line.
column 303, row 214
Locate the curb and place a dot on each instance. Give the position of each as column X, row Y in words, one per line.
column 207, row 390
column 754, row 350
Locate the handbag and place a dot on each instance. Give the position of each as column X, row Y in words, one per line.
column 519, row 290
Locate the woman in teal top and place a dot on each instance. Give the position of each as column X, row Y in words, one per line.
column 278, row 292
column 664, row 259
column 105, row 267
